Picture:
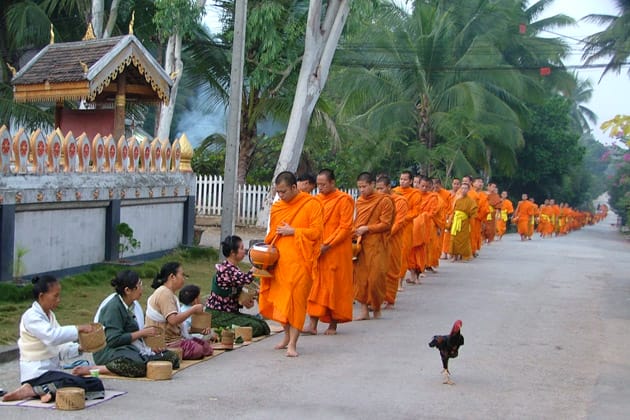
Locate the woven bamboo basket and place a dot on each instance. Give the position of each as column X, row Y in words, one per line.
column 159, row 370
column 157, row 341
column 71, row 398
column 200, row 321
column 245, row 332
column 248, row 294
column 93, row 341
column 227, row 339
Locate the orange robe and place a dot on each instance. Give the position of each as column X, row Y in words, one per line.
column 283, row 296
column 545, row 221
column 395, row 247
column 424, row 231
column 412, row 196
column 460, row 231
column 507, row 208
column 555, row 210
column 532, row 219
column 370, row 269
column 436, row 240
column 490, row 223
column 332, row 292
column 524, row 211
column 446, row 237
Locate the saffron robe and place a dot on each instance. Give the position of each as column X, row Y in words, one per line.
column 490, row 223
column 424, row 231
column 370, row 270
column 412, row 196
column 332, row 292
column 460, row 236
column 395, row 247
column 507, row 208
column 522, row 215
column 283, row 297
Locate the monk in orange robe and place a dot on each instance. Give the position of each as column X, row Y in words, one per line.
column 332, row 292
column 446, row 237
column 507, row 208
column 533, row 218
column 489, row 230
column 562, row 222
column 424, row 230
column 545, row 220
column 412, row 195
column 464, row 210
column 295, row 228
column 524, row 210
column 555, row 216
column 384, row 185
column 446, row 205
column 372, row 224
column 482, row 213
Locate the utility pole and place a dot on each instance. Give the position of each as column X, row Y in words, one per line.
column 234, row 121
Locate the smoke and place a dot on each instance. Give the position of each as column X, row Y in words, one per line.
column 199, row 123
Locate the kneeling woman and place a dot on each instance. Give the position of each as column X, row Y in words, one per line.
column 226, row 287
column 163, row 311
column 125, row 353
column 43, row 343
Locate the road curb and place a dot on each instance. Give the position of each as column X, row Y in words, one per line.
column 8, row 353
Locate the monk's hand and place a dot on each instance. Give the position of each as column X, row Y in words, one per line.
column 323, row 249
column 361, row 230
column 285, row 229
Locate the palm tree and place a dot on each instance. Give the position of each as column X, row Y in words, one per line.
column 613, row 42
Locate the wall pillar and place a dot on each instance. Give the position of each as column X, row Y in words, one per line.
column 189, row 221
column 7, row 239
column 112, row 239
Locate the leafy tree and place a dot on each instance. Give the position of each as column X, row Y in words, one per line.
column 613, row 42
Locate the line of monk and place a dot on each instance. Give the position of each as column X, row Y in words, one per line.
column 334, row 251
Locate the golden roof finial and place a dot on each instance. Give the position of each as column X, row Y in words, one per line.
column 52, row 34
column 12, row 69
column 84, row 67
column 133, row 17
column 89, row 33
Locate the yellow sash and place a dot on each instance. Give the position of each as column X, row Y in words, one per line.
column 504, row 215
column 544, row 217
column 490, row 215
column 458, row 218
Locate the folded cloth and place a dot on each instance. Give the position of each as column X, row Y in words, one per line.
column 76, row 363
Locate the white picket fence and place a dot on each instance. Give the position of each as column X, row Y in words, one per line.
column 209, row 199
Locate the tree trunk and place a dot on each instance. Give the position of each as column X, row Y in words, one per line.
column 111, row 21
column 173, row 66
column 98, row 10
column 320, row 43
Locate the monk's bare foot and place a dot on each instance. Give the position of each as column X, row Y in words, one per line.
column 388, row 306
column 362, row 317
column 46, row 398
column 292, row 353
column 309, row 331
column 377, row 314
column 330, row 331
column 22, row 393
column 282, row 345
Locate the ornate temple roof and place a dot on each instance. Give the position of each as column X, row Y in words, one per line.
column 86, row 70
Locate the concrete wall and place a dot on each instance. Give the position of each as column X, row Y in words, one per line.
column 67, row 221
column 59, row 238
column 156, row 226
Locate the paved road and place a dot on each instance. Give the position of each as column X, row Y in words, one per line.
column 545, row 322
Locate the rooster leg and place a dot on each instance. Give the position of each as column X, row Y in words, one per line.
column 447, row 377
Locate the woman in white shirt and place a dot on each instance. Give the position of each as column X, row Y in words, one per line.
column 43, row 343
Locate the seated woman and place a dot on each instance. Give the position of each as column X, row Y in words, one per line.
column 43, row 343
column 226, row 287
column 125, row 353
column 163, row 311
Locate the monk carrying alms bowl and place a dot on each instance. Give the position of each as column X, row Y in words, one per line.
column 263, row 257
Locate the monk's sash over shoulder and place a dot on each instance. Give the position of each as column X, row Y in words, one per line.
column 458, row 218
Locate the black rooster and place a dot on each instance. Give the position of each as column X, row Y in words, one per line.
column 448, row 345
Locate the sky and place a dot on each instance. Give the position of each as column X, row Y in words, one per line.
column 609, row 94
